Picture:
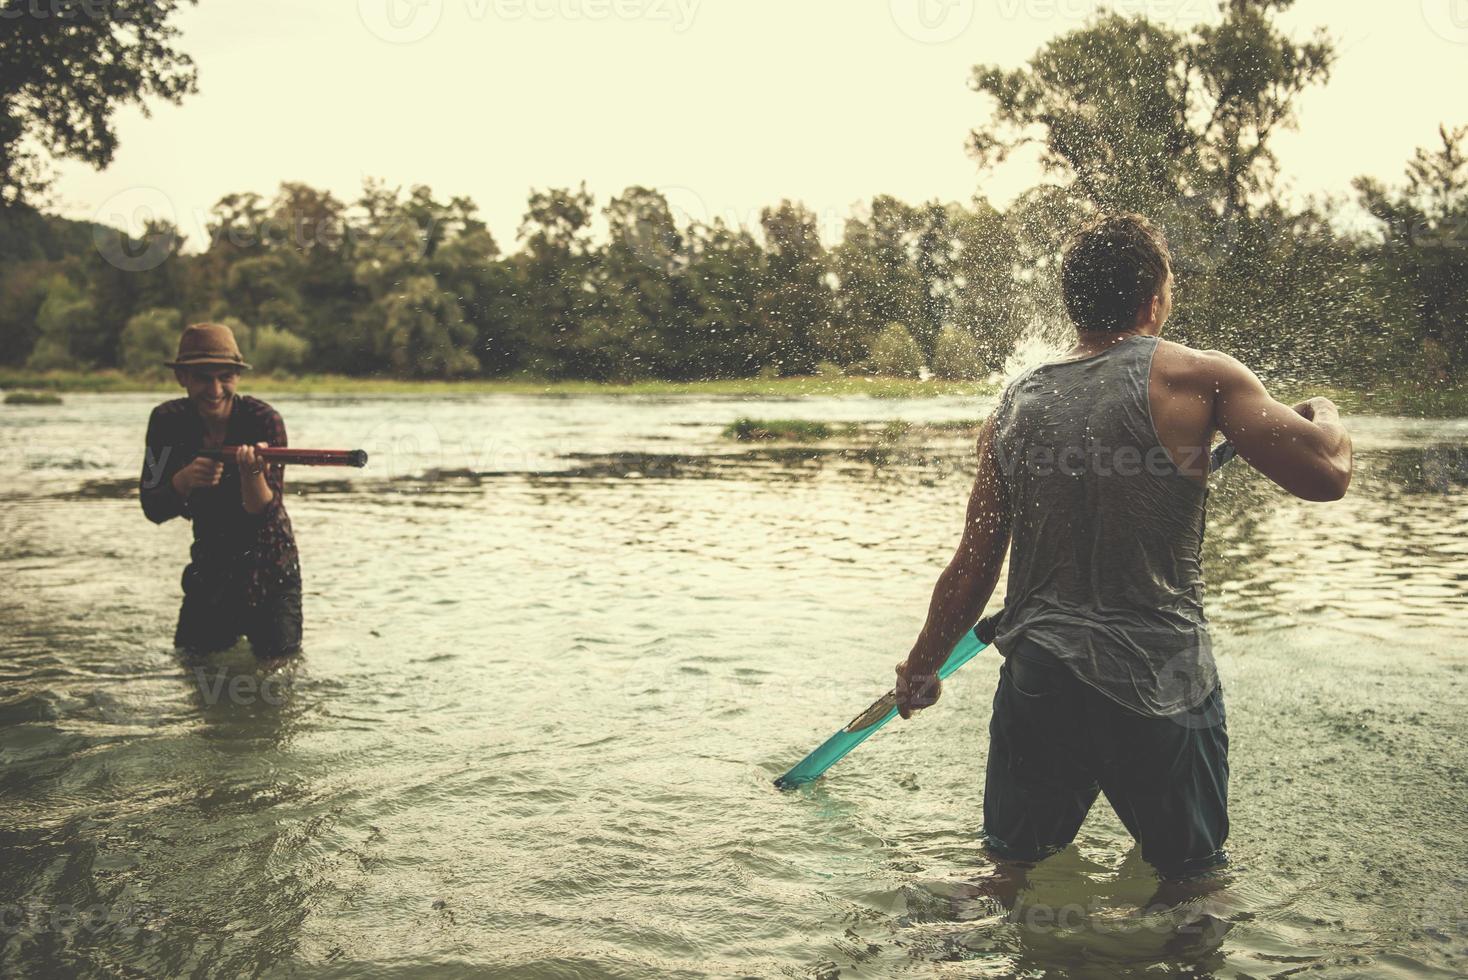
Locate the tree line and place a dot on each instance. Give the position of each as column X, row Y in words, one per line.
column 1127, row 114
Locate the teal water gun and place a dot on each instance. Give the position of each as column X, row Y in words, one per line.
column 884, row 709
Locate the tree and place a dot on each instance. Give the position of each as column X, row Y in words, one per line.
column 895, row 353
column 554, row 280
column 124, row 276
column 879, row 281
column 22, row 291
column 65, row 68
column 956, row 355
column 419, row 332
column 639, row 282
column 149, row 339
column 795, row 297
column 987, row 302
column 413, row 324
column 288, row 263
column 1420, row 261
column 65, row 313
column 1132, row 115
column 717, row 331
column 277, row 351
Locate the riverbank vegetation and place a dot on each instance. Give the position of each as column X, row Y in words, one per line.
column 1409, row 397
column 32, row 398
column 1128, row 113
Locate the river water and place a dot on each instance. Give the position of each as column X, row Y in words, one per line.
column 558, row 647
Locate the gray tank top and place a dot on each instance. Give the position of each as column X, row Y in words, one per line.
column 1105, row 565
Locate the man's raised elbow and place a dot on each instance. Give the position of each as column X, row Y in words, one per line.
column 1341, row 479
column 1330, row 484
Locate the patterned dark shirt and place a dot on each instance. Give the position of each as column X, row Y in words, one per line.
column 232, row 548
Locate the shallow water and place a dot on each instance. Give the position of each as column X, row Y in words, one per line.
column 558, row 648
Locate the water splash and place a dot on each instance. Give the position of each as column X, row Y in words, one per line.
column 1040, row 341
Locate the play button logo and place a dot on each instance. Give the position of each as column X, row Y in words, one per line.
column 932, row 21
column 1447, row 18
column 400, row 21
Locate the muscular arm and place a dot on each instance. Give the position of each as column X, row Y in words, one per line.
column 1305, row 450
column 966, row 584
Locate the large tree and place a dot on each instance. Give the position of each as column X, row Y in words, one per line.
column 65, row 68
column 554, row 279
column 1132, row 115
column 879, row 282
column 1420, row 261
column 639, row 280
column 796, row 302
column 718, row 333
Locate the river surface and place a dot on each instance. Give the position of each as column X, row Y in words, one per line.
column 556, row 650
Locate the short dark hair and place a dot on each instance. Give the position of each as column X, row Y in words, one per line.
column 1110, row 267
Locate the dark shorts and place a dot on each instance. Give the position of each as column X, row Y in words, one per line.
column 1055, row 742
column 215, row 614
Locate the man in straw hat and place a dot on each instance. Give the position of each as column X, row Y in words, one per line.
column 244, row 577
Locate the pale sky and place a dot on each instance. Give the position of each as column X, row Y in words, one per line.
column 725, row 105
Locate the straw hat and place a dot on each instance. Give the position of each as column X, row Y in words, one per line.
column 208, row 343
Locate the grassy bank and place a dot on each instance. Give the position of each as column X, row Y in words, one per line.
column 1394, row 398
column 335, row 384
column 802, row 430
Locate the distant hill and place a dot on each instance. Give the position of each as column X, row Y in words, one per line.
column 27, row 235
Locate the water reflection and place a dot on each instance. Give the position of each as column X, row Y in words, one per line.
column 237, row 698
column 549, row 683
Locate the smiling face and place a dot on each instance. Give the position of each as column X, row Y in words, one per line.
column 210, row 388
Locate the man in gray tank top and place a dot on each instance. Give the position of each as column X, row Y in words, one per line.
column 1095, row 469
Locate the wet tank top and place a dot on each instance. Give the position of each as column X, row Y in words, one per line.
column 1105, row 566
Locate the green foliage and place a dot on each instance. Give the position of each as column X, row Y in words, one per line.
column 1418, row 268
column 829, row 370
column 795, row 300
column 1126, row 112
column 22, row 291
column 1133, row 115
column 32, row 398
column 895, row 353
column 64, row 314
column 67, row 67
column 956, row 356
column 149, row 339
column 419, row 332
column 783, row 430
column 717, row 332
column 278, row 351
